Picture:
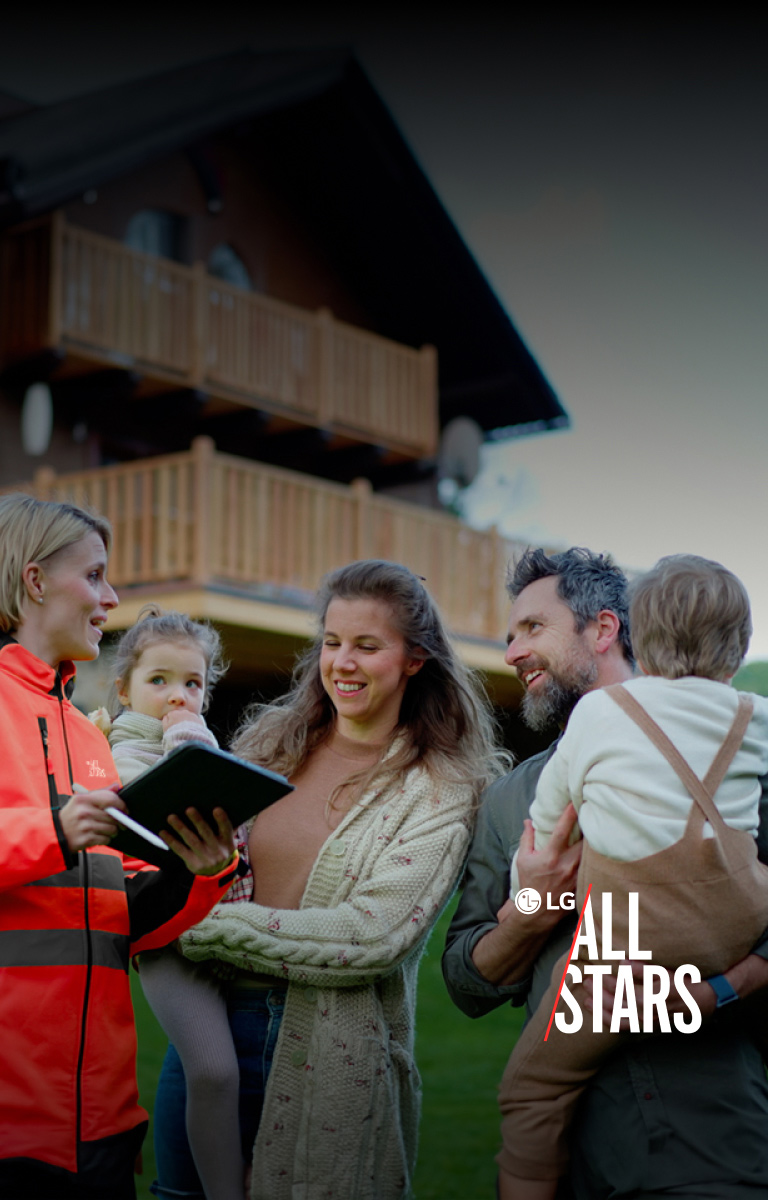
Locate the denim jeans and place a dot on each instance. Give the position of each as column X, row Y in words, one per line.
column 254, row 1018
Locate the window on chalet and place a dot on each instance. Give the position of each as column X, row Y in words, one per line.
column 225, row 264
column 155, row 231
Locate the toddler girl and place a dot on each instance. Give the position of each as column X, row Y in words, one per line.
column 164, row 670
column 664, row 773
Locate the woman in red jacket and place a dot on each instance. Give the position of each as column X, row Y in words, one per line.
column 71, row 913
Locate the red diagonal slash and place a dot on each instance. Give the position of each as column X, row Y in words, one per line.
column 568, row 962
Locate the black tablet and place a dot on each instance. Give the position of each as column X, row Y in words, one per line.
column 194, row 776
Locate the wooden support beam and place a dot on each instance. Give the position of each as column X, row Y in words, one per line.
column 238, row 432
column 393, row 474
column 353, row 461
column 294, row 447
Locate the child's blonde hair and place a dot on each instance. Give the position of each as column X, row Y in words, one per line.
column 689, row 616
column 153, row 625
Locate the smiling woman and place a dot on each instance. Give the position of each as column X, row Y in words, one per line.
column 71, row 588
column 70, row 1122
column 58, row 551
column 365, row 666
column 388, row 742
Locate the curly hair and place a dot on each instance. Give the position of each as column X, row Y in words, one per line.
column 445, row 721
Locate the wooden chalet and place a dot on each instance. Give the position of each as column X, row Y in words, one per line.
column 235, row 318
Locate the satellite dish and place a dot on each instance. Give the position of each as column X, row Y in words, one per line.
column 36, row 419
column 458, row 455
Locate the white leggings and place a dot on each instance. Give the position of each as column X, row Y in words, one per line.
column 191, row 1008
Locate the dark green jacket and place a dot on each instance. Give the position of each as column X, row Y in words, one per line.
column 673, row 1115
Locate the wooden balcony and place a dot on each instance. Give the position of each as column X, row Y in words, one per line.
column 66, row 289
column 246, row 544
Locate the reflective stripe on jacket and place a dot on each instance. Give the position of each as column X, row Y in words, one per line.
column 68, row 927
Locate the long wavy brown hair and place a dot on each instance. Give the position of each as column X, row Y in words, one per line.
column 446, row 723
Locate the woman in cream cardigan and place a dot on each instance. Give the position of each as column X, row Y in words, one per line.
column 389, row 744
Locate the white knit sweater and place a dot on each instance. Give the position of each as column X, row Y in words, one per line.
column 342, row 1106
column 138, row 741
column 630, row 802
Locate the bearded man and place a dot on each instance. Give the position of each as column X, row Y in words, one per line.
column 682, row 1115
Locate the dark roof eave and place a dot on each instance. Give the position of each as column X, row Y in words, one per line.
column 59, row 171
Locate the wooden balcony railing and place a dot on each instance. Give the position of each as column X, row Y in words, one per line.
column 65, row 287
column 208, row 519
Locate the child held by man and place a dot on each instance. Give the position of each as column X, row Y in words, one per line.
column 663, row 772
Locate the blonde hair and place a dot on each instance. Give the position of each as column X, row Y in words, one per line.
column 445, row 723
column 154, row 625
column 689, row 616
column 31, row 531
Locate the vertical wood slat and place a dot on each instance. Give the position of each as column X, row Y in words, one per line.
column 146, row 523
column 163, row 543
column 183, row 564
column 324, row 367
column 203, row 454
column 200, row 328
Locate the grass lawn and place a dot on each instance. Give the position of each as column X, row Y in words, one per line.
column 461, row 1062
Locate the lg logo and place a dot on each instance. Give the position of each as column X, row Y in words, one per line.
column 528, row 901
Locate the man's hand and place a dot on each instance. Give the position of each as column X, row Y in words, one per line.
column 553, row 869
column 204, row 850
column 83, row 819
column 506, row 954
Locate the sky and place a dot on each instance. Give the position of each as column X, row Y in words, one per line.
column 611, row 180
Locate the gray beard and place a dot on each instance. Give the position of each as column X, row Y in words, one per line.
column 554, row 704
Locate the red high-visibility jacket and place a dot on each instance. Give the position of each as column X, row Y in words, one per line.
column 68, row 927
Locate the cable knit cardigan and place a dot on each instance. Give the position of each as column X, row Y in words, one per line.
column 342, row 1105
